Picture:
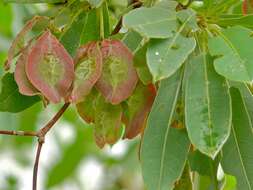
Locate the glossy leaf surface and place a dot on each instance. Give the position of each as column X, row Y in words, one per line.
column 233, row 61
column 10, row 98
column 238, row 148
column 164, row 57
column 152, row 22
column 207, row 106
column 162, row 163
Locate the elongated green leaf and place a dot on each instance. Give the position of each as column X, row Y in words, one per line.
column 91, row 28
column 236, row 19
column 247, row 96
column 71, row 39
column 164, row 57
column 10, row 98
column 207, row 106
column 237, row 152
column 162, row 162
column 106, row 18
column 234, row 60
column 151, row 22
column 34, row 1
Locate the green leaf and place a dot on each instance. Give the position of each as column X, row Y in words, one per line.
column 106, row 18
column 247, row 96
column 95, row 3
column 203, row 164
column 71, row 39
column 152, row 22
column 141, row 66
column 207, row 106
column 10, row 98
column 132, row 40
column 234, row 61
column 6, row 18
column 91, row 28
column 162, row 163
column 164, row 57
column 188, row 16
column 34, row 1
column 236, row 19
column 237, row 152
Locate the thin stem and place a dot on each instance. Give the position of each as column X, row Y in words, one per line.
column 41, row 134
column 36, row 165
column 51, row 123
column 19, row 133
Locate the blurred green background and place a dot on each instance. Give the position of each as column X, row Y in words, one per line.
column 70, row 159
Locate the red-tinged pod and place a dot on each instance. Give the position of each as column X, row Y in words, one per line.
column 24, row 85
column 245, row 7
column 88, row 69
column 50, row 68
column 86, row 108
column 119, row 77
column 139, row 106
column 19, row 42
column 107, row 125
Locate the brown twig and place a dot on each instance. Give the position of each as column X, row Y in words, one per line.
column 19, row 133
column 36, row 165
column 41, row 139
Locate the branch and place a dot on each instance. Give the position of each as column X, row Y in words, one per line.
column 19, row 133
column 41, row 139
column 36, row 165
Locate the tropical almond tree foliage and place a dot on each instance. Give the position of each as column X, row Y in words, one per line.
column 176, row 73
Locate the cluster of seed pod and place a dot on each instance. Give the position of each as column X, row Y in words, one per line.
column 100, row 80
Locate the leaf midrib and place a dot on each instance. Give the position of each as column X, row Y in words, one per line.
column 208, row 98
